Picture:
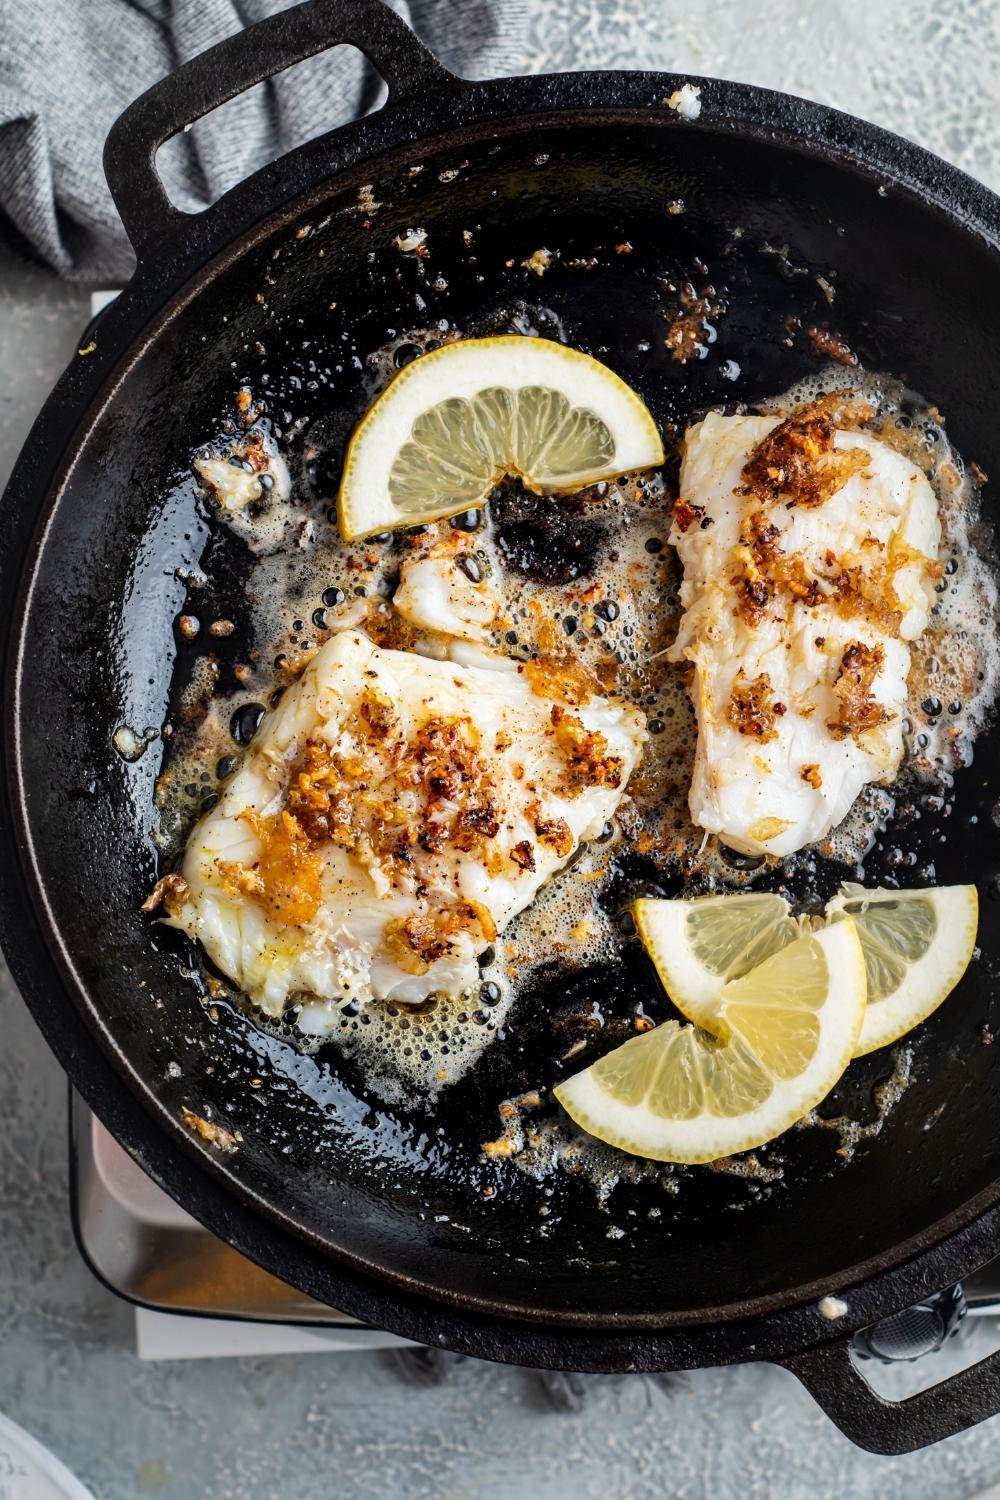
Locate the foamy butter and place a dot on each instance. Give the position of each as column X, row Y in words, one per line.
column 885, row 1096
column 618, row 615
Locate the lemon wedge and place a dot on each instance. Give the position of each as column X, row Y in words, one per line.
column 698, row 945
column 455, row 421
column 917, row 946
column 787, row 1030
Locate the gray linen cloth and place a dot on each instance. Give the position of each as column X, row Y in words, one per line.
column 69, row 67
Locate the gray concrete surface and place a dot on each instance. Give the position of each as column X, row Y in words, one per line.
column 321, row 1426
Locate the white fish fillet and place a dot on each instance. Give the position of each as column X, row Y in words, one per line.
column 775, row 796
column 435, row 593
column 254, row 501
column 340, row 954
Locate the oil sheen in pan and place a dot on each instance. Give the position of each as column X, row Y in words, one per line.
column 611, row 598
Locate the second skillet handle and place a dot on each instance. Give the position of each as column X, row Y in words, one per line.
column 892, row 1427
column 232, row 67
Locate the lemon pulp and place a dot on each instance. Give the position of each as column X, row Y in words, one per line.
column 461, row 448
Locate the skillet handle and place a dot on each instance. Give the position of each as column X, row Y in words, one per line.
column 235, row 65
column 892, row 1427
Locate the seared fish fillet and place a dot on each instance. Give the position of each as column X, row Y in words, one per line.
column 443, row 590
column 392, row 815
column 810, row 555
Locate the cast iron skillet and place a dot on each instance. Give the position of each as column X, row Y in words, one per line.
column 364, row 1209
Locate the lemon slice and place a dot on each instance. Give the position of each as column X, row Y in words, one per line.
column 698, row 945
column 454, row 422
column 787, row 1032
column 917, row 946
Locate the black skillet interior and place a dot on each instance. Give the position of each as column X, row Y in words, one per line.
column 404, row 1193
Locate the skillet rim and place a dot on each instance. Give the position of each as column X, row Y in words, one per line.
column 164, row 282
